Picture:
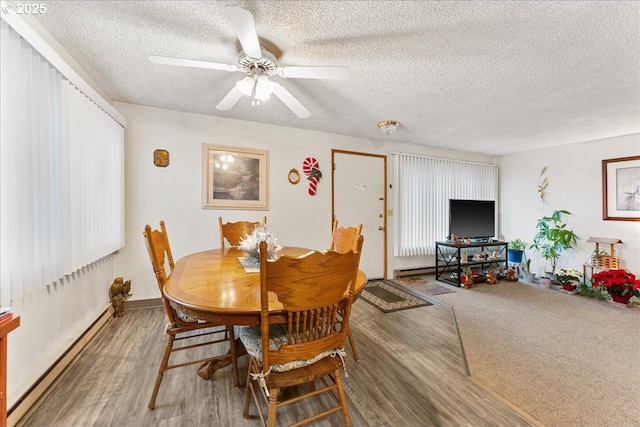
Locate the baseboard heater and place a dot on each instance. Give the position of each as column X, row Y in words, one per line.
column 40, row 388
column 419, row 271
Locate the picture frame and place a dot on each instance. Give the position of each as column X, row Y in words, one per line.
column 234, row 178
column 621, row 189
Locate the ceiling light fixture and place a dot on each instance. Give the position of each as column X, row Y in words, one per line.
column 257, row 85
column 388, row 126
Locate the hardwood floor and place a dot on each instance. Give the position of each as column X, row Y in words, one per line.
column 411, row 372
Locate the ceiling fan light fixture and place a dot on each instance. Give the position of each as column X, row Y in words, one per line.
column 259, row 88
column 388, row 126
column 264, row 88
column 246, row 85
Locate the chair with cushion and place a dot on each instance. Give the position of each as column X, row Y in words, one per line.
column 181, row 327
column 304, row 342
column 235, row 232
column 344, row 239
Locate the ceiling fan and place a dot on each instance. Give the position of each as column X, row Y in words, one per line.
column 259, row 65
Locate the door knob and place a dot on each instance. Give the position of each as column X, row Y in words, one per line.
column 380, row 228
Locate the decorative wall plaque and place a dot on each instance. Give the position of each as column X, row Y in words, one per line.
column 294, row 176
column 161, row 158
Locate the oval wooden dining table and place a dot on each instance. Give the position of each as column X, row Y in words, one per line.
column 213, row 285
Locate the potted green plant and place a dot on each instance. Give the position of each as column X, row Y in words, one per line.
column 516, row 251
column 527, row 275
column 553, row 237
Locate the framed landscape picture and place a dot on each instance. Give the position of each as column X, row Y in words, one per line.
column 621, row 189
column 234, row 178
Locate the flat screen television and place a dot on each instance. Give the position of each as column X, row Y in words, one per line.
column 472, row 219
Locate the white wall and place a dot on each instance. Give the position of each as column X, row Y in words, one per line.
column 51, row 320
column 173, row 194
column 575, row 184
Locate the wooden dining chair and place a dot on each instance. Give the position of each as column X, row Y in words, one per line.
column 234, row 232
column 303, row 343
column 344, row 239
column 181, row 327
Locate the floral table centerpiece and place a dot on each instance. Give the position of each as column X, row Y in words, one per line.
column 251, row 243
column 569, row 278
column 620, row 284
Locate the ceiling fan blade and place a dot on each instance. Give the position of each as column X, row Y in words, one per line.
column 230, row 99
column 332, row 73
column 165, row 60
column 245, row 28
column 291, row 102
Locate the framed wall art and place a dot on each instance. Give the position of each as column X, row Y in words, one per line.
column 621, row 189
column 234, row 178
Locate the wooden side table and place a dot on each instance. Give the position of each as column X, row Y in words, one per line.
column 7, row 325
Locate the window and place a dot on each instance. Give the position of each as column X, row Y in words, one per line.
column 61, row 173
column 424, row 186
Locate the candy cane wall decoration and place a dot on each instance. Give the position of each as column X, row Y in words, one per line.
column 311, row 168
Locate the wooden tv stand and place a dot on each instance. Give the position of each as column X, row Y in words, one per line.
column 449, row 264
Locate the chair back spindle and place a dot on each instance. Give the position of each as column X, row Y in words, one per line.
column 159, row 249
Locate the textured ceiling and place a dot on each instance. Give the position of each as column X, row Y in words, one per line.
column 488, row 77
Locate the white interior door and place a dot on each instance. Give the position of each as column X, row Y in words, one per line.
column 359, row 196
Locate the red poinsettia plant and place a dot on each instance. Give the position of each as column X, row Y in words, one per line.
column 617, row 282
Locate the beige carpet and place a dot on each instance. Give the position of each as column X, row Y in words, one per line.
column 566, row 360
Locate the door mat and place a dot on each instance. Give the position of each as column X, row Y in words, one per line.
column 388, row 298
column 421, row 285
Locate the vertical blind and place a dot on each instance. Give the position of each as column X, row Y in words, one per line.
column 424, row 186
column 61, row 174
